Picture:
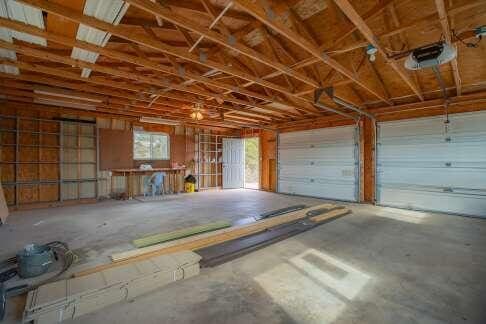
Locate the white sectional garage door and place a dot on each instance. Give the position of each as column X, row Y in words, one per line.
column 319, row 163
column 420, row 166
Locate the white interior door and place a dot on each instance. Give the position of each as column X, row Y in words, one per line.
column 233, row 163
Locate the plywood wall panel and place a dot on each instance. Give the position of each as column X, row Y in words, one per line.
column 8, row 154
column 70, row 171
column 88, row 171
column 49, row 140
column 87, row 130
column 70, row 129
column 49, row 154
column 115, row 149
column 48, row 192
column 69, row 191
column 87, row 190
column 8, row 172
column 87, row 142
column 28, row 194
column 8, row 123
column 28, row 139
column 87, row 155
column 28, row 124
column 7, row 138
column 9, row 192
column 28, row 172
column 28, row 154
column 49, row 126
column 69, row 141
column 49, row 171
column 70, row 155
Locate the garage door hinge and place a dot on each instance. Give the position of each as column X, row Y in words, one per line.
column 448, row 190
column 448, row 164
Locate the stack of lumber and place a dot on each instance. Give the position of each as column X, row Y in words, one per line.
column 170, row 236
column 3, row 206
column 211, row 238
column 71, row 298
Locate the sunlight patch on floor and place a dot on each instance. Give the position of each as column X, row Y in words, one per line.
column 410, row 216
column 313, row 287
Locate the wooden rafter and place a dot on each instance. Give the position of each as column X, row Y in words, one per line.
column 220, row 39
column 99, row 81
column 150, row 43
column 260, row 14
column 134, row 60
column 444, row 21
column 363, row 27
column 403, row 40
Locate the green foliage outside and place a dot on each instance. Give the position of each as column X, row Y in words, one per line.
column 251, row 160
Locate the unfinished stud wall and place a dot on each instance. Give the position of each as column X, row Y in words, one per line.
column 46, row 158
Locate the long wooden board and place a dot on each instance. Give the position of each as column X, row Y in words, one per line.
column 3, row 207
column 178, row 234
column 202, row 240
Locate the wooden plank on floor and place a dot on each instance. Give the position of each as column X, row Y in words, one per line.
column 203, row 240
column 3, row 206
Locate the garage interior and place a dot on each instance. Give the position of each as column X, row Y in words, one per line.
column 290, row 161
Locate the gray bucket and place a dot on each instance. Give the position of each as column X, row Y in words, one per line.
column 34, row 260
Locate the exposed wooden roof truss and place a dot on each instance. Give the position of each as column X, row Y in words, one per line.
column 249, row 63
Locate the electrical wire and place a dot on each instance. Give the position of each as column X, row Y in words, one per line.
column 468, row 44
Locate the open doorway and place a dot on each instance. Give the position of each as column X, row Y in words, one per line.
column 252, row 163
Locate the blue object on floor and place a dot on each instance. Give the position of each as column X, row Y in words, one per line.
column 155, row 183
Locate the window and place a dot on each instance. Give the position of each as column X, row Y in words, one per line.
column 150, row 146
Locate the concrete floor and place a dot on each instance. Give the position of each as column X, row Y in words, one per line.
column 377, row 265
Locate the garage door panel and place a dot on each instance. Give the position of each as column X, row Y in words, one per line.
column 322, row 135
column 319, row 171
column 423, row 165
column 319, row 163
column 420, row 128
column 465, row 204
column 438, row 177
column 331, row 190
column 328, row 154
column 446, row 152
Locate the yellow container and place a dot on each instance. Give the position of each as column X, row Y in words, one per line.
column 189, row 187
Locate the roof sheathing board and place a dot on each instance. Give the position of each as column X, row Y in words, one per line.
column 110, row 11
column 28, row 15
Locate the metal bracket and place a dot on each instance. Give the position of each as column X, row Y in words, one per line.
column 317, row 95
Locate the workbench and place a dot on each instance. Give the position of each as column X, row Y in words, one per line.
column 173, row 180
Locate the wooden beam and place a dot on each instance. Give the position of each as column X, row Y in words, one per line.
column 197, row 7
column 363, row 27
column 444, row 21
column 138, row 61
column 211, row 238
column 263, row 16
column 95, row 80
column 226, row 41
column 434, row 18
column 149, row 42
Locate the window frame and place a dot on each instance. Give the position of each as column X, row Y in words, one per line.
column 151, row 158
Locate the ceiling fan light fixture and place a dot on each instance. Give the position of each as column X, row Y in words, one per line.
column 196, row 113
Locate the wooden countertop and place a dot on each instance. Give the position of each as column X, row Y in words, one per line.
column 148, row 170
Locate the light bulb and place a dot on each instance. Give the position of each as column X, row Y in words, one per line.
column 372, row 57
